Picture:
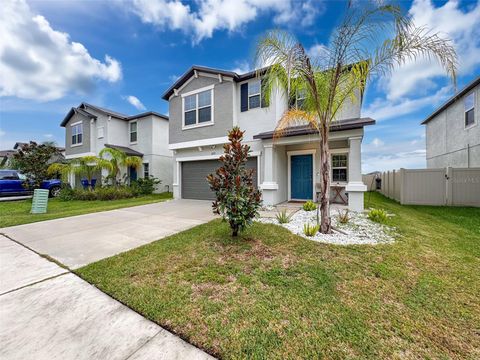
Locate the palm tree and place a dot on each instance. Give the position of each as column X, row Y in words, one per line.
column 85, row 166
column 371, row 41
column 117, row 160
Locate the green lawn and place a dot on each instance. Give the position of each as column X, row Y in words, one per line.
column 271, row 294
column 18, row 212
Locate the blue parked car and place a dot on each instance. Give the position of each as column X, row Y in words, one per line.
column 11, row 183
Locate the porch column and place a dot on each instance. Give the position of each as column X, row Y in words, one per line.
column 176, row 179
column 355, row 186
column 269, row 185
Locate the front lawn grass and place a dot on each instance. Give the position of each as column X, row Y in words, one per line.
column 271, row 294
column 18, row 212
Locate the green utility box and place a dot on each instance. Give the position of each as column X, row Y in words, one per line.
column 39, row 201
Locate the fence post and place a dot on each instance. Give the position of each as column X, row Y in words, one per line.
column 449, row 186
column 393, row 182
column 402, row 186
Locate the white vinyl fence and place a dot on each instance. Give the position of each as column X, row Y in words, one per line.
column 447, row 186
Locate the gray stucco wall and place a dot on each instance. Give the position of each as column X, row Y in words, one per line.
column 448, row 142
column 85, row 147
column 223, row 111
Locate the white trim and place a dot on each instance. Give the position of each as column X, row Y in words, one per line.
column 74, row 156
column 211, row 157
column 259, row 94
column 210, row 123
column 77, row 144
column 196, row 143
column 339, row 152
column 269, row 185
column 193, row 92
column 76, row 123
column 289, row 180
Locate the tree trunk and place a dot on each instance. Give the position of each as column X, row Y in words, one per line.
column 325, row 223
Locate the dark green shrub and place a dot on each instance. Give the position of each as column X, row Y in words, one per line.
column 145, row 186
column 378, row 215
column 66, row 193
column 237, row 199
column 99, row 193
column 309, row 206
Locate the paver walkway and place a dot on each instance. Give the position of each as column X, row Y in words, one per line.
column 47, row 312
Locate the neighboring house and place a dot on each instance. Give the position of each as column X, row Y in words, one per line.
column 206, row 103
column 452, row 131
column 89, row 129
column 7, row 155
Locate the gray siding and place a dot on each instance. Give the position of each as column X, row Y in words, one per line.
column 223, row 112
column 85, row 147
column 448, row 142
column 194, row 173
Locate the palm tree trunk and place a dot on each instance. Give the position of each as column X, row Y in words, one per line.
column 325, row 222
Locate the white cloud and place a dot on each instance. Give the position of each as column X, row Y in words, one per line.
column 229, row 15
column 383, row 109
column 242, row 67
column 381, row 156
column 377, row 142
column 462, row 27
column 40, row 63
column 48, row 136
column 2, row 133
column 133, row 100
column 317, row 50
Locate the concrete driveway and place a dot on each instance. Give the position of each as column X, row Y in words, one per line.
column 47, row 312
column 79, row 240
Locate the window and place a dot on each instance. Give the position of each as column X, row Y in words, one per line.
column 198, row 108
column 339, row 167
column 133, row 132
column 301, row 95
column 77, row 134
column 469, row 109
column 100, row 132
column 8, row 175
column 254, row 94
column 146, row 170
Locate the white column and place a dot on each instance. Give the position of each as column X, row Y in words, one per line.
column 355, row 186
column 177, row 165
column 269, row 185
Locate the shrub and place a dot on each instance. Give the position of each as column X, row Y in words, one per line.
column 99, row 193
column 310, row 229
column 236, row 198
column 378, row 215
column 145, row 186
column 309, row 206
column 283, row 217
column 343, row 216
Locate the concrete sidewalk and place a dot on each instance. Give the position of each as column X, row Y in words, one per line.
column 46, row 312
column 79, row 240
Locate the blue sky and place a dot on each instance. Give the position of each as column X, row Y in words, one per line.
column 124, row 54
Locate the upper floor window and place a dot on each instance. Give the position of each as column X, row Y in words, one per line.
column 254, row 94
column 469, row 109
column 197, row 109
column 133, row 132
column 339, row 167
column 77, row 134
column 300, row 98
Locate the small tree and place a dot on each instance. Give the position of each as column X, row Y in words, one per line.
column 118, row 159
column 33, row 159
column 237, row 199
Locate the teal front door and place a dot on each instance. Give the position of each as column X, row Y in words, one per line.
column 301, row 177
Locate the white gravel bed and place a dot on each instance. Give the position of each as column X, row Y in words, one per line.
column 359, row 229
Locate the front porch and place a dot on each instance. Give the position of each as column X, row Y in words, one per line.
column 290, row 169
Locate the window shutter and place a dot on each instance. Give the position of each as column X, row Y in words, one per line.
column 244, row 97
column 265, row 102
column 291, row 101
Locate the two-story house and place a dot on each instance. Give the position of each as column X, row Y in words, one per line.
column 89, row 129
column 452, row 131
column 205, row 103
